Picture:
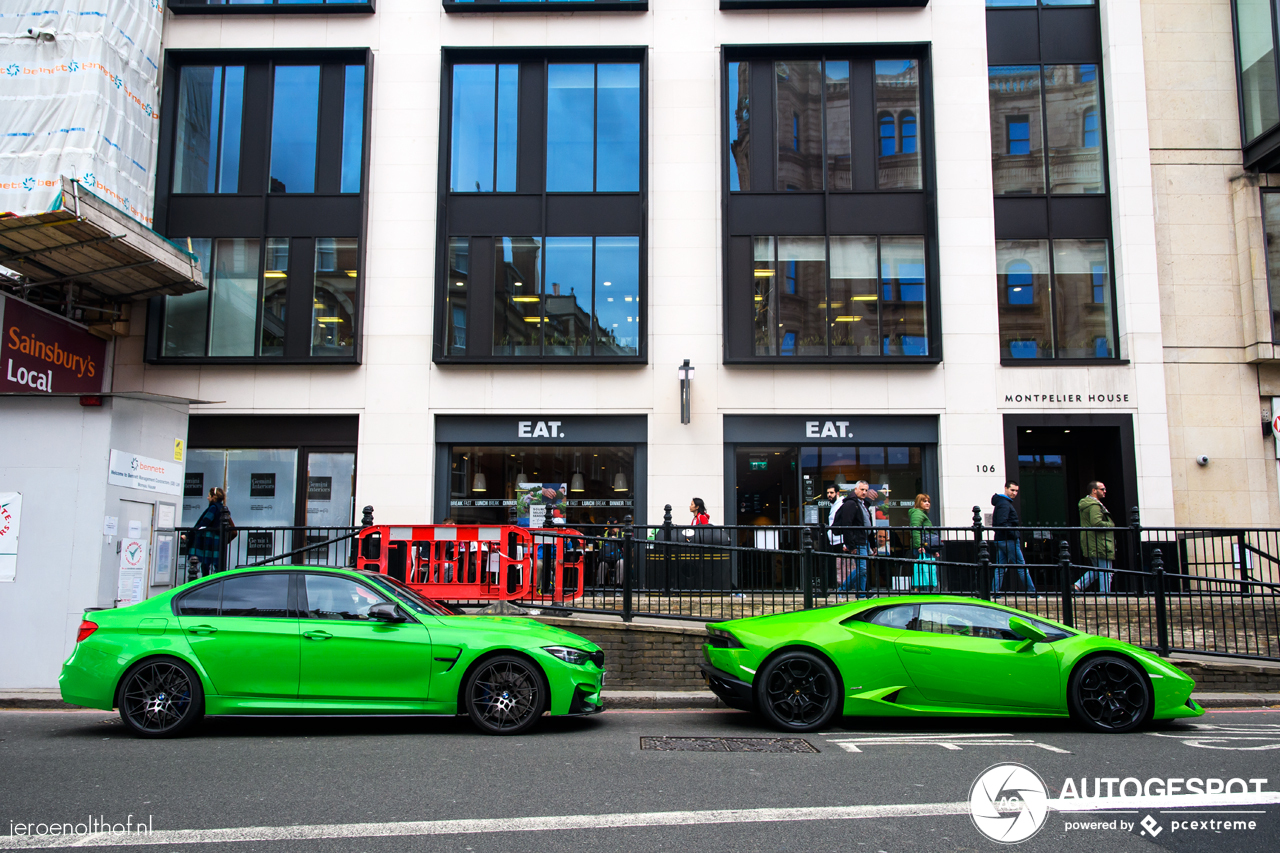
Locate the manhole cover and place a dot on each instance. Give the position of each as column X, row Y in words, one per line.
column 727, row 744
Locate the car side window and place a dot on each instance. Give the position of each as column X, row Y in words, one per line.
column 201, row 601
column 965, row 620
column 899, row 616
column 335, row 597
column 265, row 596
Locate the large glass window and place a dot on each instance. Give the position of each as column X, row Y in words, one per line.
column 871, row 302
column 295, row 127
column 226, row 143
column 590, row 304
column 897, row 98
column 739, row 80
column 799, row 124
column 483, row 148
column 1068, row 98
column 1056, row 299
column 458, row 285
column 1255, row 41
column 538, row 485
column 1271, row 222
column 206, row 156
column 593, row 127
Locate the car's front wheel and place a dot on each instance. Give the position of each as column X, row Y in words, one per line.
column 505, row 695
column 798, row 691
column 1109, row 694
column 161, row 697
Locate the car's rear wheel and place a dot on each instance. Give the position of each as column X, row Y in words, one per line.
column 798, row 691
column 161, row 697
column 1109, row 694
column 505, row 695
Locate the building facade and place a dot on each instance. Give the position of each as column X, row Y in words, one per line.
column 458, row 248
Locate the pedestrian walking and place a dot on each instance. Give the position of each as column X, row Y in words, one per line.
column 839, row 566
column 1005, row 520
column 699, row 510
column 854, row 524
column 207, row 543
column 1097, row 546
column 926, row 545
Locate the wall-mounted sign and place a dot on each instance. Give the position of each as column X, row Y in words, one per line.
column 10, row 519
column 193, row 485
column 42, row 352
column 1068, row 388
column 141, row 472
column 178, row 446
column 133, row 571
column 319, row 488
column 539, row 429
column 262, row 485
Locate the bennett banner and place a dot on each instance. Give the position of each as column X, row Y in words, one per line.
column 141, row 472
column 42, row 352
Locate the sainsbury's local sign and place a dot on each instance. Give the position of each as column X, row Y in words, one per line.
column 41, row 352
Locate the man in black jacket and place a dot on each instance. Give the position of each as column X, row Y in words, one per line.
column 1008, row 547
column 855, row 524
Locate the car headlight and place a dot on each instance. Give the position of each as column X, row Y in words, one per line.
column 568, row 654
column 720, row 639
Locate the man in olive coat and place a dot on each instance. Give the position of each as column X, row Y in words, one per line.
column 1099, row 545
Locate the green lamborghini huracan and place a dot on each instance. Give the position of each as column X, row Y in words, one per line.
column 928, row 655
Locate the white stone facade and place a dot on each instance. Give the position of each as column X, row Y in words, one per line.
column 398, row 390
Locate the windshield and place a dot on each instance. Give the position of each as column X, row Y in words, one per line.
column 417, row 603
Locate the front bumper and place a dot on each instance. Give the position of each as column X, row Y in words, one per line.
column 581, row 705
column 733, row 692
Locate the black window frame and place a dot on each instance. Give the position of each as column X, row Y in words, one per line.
column 254, row 212
column 1262, row 153
column 219, row 578
column 829, row 212
column 484, row 217
column 1056, row 35
column 271, row 7
column 747, row 5
column 492, row 7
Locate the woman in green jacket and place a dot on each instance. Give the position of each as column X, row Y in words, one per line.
column 924, row 574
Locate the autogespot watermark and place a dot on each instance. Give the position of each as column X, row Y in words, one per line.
column 1010, row 803
column 98, row 825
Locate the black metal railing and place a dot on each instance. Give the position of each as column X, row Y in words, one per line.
column 262, row 546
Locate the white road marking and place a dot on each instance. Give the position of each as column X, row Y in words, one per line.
column 601, row 821
column 953, row 742
column 1245, row 737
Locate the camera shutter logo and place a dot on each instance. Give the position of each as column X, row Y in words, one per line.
column 1008, row 803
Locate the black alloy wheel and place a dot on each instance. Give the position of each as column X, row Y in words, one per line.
column 1109, row 694
column 161, row 697
column 798, row 692
column 505, row 696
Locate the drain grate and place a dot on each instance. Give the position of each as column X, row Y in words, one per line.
column 727, row 744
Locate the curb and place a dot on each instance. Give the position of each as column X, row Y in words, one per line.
column 665, row 700
column 1236, row 700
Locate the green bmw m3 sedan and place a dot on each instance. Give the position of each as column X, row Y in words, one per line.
column 308, row 640
column 936, row 656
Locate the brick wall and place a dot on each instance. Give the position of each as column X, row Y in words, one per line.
column 1231, row 676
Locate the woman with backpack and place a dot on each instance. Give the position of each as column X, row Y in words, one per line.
column 207, row 545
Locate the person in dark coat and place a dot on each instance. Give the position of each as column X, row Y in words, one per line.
column 207, row 544
column 1005, row 520
column 855, row 524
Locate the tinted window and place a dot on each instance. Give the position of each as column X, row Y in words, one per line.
column 201, row 601
column 965, row 620
column 295, row 125
column 206, row 155
column 264, row 596
column 894, row 617
column 593, row 127
column 333, row 597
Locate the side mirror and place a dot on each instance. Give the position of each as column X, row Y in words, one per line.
column 1026, row 630
column 386, row 612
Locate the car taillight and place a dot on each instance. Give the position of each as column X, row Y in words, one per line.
column 86, row 628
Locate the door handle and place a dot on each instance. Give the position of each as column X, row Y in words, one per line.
column 317, row 635
column 915, row 650
column 203, row 629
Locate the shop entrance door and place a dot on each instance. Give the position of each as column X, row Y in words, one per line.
column 768, row 486
column 135, row 524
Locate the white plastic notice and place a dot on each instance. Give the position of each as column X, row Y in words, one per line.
column 133, row 566
column 10, row 518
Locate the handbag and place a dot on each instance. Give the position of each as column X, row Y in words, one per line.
column 924, row 573
column 229, row 526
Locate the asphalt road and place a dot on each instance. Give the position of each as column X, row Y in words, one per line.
column 395, row 784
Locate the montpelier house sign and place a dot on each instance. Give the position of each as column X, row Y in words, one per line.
column 1085, row 388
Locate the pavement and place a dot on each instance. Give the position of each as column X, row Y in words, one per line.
column 635, row 781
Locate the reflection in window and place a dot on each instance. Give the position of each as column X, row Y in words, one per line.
column 1070, row 95
column 799, row 144
column 482, row 153
column 1017, row 160
column 261, row 596
column 336, row 597
column 333, row 316
column 1271, row 223
column 839, row 130
column 897, row 97
column 1257, row 58
column 1091, row 136
column 352, row 127
column 593, row 127
column 233, row 297
column 1026, row 313
column 275, row 295
column 739, row 79
column 801, row 310
column 295, row 124
column 206, row 157
column 590, row 304
column 186, row 317
column 459, row 279
column 1082, row 299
